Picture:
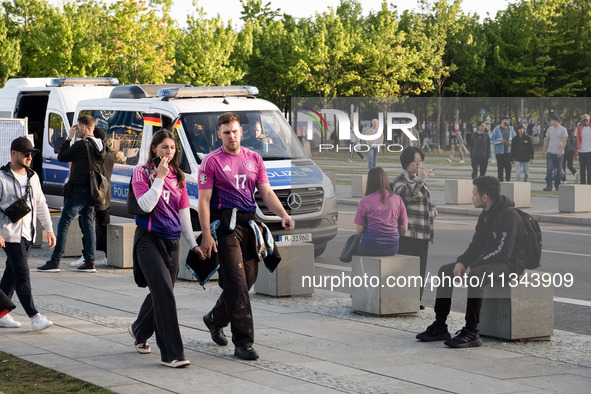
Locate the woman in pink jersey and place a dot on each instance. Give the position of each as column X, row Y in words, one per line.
column 159, row 187
column 380, row 216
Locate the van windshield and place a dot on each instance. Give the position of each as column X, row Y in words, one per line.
column 265, row 132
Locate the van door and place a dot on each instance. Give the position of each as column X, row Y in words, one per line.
column 33, row 105
column 55, row 173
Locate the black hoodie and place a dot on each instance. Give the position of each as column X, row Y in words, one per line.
column 79, row 173
column 499, row 232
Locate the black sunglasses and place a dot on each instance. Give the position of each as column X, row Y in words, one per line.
column 28, row 154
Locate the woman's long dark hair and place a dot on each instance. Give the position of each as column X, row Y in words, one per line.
column 377, row 180
column 174, row 163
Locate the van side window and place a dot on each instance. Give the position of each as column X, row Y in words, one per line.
column 57, row 132
column 124, row 130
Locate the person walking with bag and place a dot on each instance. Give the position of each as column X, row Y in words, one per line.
column 160, row 189
column 77, row 193
column 21, row 203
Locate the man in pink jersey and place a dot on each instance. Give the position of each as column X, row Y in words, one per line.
column 228, row 177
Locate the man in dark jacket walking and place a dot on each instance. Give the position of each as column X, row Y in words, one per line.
column 522, row 152
column 480, row 150
column 493, row 253
column 77, row 197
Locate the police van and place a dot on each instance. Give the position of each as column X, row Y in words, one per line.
column 133, row 113
column 49, row 105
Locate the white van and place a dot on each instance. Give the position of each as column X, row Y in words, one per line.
column 133, row 113
column 49, row 105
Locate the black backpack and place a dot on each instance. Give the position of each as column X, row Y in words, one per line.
column 533, row 243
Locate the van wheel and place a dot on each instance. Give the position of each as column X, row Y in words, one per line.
column 319, row 249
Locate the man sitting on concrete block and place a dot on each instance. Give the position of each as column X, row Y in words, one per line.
column 493, row 253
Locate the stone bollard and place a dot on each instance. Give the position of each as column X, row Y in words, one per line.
column 574, row 198
column 458, row 191
column 377, row 296
column 518, row 312
column 358, row 185
column 297, row 263
column 73, row 239
column 120, row 244
column 519, row 192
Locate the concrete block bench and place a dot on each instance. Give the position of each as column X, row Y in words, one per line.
column 358, row 184
column 519, row 192
column 73, row 240
column 458, row 191
column 520, row 312
column 120, row 244
column 379, row 296
column 574, row 198
column 297, row 262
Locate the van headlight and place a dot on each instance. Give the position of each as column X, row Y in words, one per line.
column 329, row 191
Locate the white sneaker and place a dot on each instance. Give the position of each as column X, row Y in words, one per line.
column 448, row 159
column 105, row 262
column 8, row 322
column 577, row 177
column 40, row 322
column 462, row 161
column 78, row 262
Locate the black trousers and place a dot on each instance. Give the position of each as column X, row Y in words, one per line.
column 504, row 165
column 16, row 275
column 238, row 272
column 585, row 163
column 158, row 311
column 415, row 247
column 567, row 162
column 475, row 294
column 480, row 162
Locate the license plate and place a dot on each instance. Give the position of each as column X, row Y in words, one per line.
column 296, row 237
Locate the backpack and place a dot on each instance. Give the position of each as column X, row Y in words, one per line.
column 532, row 245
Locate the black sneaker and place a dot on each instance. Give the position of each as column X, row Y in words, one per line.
column 88, row 266
column 547, row 189
column 435, row 332
column 465, row 338
column 217, row 334
column 246, row 352
column 49, row 266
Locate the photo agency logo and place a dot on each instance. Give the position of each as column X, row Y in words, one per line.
column 382, row 129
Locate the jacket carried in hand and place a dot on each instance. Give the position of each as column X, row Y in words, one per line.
column 10, row 191
column 499, row 233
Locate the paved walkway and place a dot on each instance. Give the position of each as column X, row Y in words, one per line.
column 307, row 345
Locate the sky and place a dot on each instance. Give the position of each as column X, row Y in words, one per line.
column 230, row 9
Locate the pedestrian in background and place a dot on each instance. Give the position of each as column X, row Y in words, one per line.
column 554, row 145
column 480, row 150
column 583, row 149
column 522, row 153
column 457, row 142
column 501, row 138
column 18, row 180
column 374, row 144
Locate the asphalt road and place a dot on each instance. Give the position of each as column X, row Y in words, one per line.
column 566, row 254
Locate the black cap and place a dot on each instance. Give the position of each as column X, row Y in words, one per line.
column 505, row 117
column 23, row 144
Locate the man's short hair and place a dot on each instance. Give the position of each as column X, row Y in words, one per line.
column 86, row 120
column 586, row 116
column 554, row 117
column 519, row 127
column 408, row 155
column 488, row 185
column 227, row 118
column 505, row 117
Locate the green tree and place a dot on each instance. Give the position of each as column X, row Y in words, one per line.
column 10, row 49
column 204, row 50
column 141, row 46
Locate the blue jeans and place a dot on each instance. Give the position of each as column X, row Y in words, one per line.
column 522, row 165
column 373, row 157
column 79, row 203
column 553, row 170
